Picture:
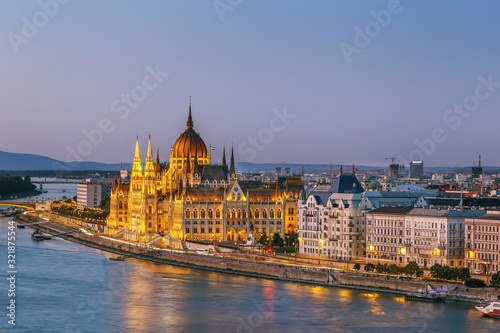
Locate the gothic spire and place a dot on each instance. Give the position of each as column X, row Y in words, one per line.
column 232, row 169
column 157, row 165
column 137, row 167
column 190, row 118
column 149, row 159
column 224, row 155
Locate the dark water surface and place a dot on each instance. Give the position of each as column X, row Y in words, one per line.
column 66, row 287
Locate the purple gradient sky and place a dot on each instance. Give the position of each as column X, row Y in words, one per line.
column 263, row 55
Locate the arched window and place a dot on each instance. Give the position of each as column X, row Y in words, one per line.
column 234, row 213
column 228, row 214
column 217, row 214
column 257, row 214
column 278, row 213
column 244, row 213
column 202, row 213
column 150, row 209
column 271, row 213
column 210, row 213
column 264, row 214
column 188, row 213
column 195, row 214
column 239, row 214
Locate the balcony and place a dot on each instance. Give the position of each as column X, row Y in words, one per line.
column 441, row 247
column 310, row 214
column 350, row 225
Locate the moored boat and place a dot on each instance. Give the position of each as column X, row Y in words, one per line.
column 37, row 235
column 20, row 226
column 490, row 308
column 423, row 297
column 120, row 258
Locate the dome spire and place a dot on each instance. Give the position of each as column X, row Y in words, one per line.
column 190, row 118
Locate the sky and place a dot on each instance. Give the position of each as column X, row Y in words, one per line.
column 350, row 82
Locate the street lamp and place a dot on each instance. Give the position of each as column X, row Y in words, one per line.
column 320, row 244
column 299, row 240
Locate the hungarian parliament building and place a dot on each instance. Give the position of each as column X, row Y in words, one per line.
column 191, row 199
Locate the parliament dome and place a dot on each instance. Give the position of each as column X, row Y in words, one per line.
column 190, row 143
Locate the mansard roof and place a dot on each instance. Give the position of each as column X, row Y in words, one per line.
column 214, row 172
column 347, row 183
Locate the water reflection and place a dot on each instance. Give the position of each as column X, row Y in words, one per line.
column 66, row 285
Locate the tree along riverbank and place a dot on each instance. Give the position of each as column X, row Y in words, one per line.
column 276, row 271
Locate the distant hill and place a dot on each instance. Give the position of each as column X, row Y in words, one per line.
column 15, row 161
column 20, row 162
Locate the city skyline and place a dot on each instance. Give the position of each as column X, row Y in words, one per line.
column 359, row 82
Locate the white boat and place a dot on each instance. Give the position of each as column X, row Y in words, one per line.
column 490, row 308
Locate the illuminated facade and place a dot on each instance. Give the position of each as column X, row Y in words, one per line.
column 191, row 199
column 482, row 243
column 399, row 235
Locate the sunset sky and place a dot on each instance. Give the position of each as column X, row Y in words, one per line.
column 311, row 82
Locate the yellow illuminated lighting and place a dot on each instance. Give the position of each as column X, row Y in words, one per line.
column 403, row 251
column 371, row 247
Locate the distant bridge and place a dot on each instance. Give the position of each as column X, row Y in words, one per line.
column 27, row 205
column 70, row 181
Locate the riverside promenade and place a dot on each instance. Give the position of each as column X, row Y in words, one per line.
column 251, row 267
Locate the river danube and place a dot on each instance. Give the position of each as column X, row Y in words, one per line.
column 66, row 287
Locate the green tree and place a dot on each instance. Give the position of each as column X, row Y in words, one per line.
column 436, row 271
column 291, row 240
column 394, row 269
column 495, row 280
column 369, row 267
column 475, row 283
column 263, row 238
column 356, row 267
column 413, row 269
column 454, row 273
column 464, row 273
column 277, row 240
column 105, row 204
column 379, row 268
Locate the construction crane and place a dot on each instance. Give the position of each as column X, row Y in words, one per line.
column 391, row 158
column 331, row 169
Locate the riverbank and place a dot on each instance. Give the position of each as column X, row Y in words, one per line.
column 21, row 195
column 250, row 268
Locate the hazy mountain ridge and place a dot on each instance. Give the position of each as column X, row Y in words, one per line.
column 16, row 161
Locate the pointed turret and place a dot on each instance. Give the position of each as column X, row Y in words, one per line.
column 224, row 155
column 137, row 166
column 118, row 187
column 157, row 165
column 232, row 169
column 190, row 118
column 188, row 164
column 149, row 169
column 115, row 183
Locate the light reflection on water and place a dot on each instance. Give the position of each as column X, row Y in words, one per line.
column 66, row 287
